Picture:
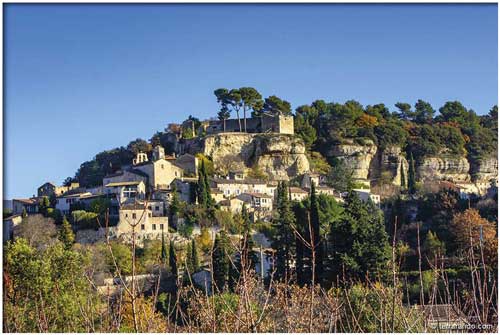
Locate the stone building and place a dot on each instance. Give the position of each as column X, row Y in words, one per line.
column 49, row 188
column 262, row 124
column 30, row 205
column 161, row 172
column 141, row 215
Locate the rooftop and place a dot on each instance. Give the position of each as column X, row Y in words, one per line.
column 242, row 181
column 26, row 201
column 123, row 183
column 298, row 190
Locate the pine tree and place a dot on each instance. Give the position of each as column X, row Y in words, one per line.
column 316, row 236
column 411, row 176
column 220, row 260
column 173, row 259
column 403, row 177
column 66, row 235
column 284, row 238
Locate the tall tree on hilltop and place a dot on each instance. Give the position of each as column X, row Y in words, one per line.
column 284, row 240
column 423, row 112
column 276, row 106
column 251, row 100
column 222, row 95
column 66, row 235
column 411, row 176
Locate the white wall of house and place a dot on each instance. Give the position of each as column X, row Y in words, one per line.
column 147, row 224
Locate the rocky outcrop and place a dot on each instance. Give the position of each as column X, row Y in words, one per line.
column 388, row 166
column 280, row 156
column 485, row 170
column 357, row 157
column 454, row 168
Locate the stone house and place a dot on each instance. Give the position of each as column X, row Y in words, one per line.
column 126, row 190
column 63, row 203
column 310, row 178
column 140, row 215
column 126, row 176
column 260, row 205
column 49, row 188
column 216, row 194
column 298, row 194
column 235, row 187
column 233, row 205
column 30, row 205
column 188, row 163
column 161, row 172
column 366, row 195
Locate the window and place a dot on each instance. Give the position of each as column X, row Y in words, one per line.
column 176, row 173
column 154, row 226
column 149, row 207
column 142, row 227
column 157, row 208
column 126, row 215
column 161, row 226
column 134, row 216
column 162, row 166
column 149, row 214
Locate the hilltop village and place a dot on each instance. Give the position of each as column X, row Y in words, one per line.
column 145, row 188
column 334, row 196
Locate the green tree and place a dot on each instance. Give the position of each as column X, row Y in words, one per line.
column 172, row 260
column 43, row 206
column 283, row 241
column 164, row 252
column 66, row 235
column 193, row 260
column 251, row 100
column 221, row 260
column 358, row 241
column 222, row 95
column 405, row 111
column 276, row 106
column 305, row 130
column 316, row 237
column 203, row 187
column 423, row 112
column 24, row 214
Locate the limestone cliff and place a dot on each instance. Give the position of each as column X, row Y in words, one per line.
column 453, row 168
column 357, row 157
column 485, row 170
column 388, row 165
column 280, row 156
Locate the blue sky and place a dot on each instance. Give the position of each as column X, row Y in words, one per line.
column 80, row 79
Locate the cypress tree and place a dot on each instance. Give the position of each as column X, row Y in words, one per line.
column 24, row 214
column 202, row 186
column 220, row 260
column 193, row 261
column 284, row 238
column 43, row 206
column 173, row 259
column 316, row 237
column 403, row 177
column 66, row 235
column 411, row 176
column 164, row 254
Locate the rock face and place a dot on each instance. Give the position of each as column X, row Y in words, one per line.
column 357, row 157
column 485, row 170
column 280, row 156
column 388, row 165
column 444, row 168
